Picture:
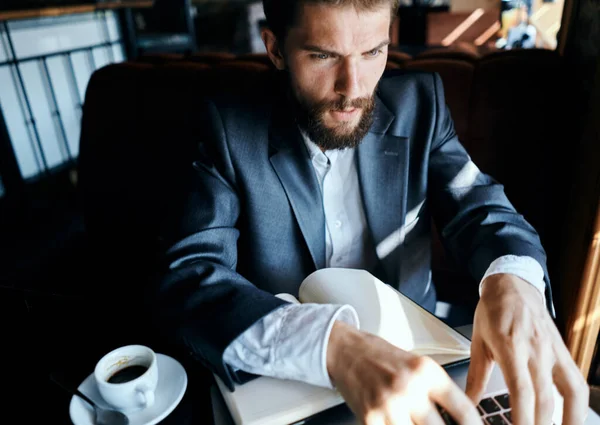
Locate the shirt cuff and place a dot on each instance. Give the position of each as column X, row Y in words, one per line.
column 345, row 314
column 524, row 267
column 290, row 343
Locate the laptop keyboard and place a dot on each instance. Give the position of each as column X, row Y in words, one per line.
column 494, row 410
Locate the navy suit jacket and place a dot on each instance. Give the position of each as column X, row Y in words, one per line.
column 252, row 222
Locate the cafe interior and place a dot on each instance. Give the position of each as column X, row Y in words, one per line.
column 86, row 166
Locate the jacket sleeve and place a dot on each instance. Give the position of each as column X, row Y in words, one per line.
column 476, row 221
column 204, row 303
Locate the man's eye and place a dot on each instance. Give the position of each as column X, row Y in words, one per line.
column 321, row 56
column 374, row 53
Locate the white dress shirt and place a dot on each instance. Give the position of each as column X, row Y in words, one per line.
column 291, row 342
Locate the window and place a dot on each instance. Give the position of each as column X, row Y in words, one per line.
column 45, row 66
column 539, row 18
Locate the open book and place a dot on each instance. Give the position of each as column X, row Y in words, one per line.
column 382, row 311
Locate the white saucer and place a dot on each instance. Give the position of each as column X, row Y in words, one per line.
column 172, row 383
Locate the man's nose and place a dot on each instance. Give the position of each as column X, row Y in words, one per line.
column 347, row 83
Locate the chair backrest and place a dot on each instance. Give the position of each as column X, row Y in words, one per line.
column 134, row 141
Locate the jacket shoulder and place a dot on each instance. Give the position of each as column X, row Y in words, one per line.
column 397, row 85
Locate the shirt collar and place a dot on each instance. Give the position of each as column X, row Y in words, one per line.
column 315, row 151
column 311, row 147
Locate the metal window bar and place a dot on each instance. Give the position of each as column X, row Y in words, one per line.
column 11, row 173
column 55, row 111
column 27, row 119
column 14, row 63
column 90, row 57
column 4, row 41
column 61, row 53
column 73, row 85
column 30, row 120
column 111, row 56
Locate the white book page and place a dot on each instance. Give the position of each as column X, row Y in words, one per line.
column 270, row 401
column 385, row 312
column 381, row 310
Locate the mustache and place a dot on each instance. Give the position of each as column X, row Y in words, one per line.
column 343, row 103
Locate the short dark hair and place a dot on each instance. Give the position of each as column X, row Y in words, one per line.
column 281, row 14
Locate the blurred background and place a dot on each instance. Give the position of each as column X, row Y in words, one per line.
column 50, row 49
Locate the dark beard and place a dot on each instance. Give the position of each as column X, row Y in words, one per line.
column 309, row 118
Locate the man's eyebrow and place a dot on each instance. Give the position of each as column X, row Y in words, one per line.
column 379, row 46
column 313, row 48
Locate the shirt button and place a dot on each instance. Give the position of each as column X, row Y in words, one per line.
column 338, row 224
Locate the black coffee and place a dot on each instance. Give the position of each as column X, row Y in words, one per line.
column 127, row 374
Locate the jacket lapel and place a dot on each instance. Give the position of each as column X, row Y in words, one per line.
column 382, row 162
column 291, row 162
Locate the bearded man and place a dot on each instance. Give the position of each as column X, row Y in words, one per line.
column 332, row 164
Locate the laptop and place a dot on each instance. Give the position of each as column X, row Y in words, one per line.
column 494, row 407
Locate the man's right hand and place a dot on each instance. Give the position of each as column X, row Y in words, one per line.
column 384, row 385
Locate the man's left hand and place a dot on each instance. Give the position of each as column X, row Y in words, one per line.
column 513, row 328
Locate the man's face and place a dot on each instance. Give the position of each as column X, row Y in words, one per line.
column 335, row 57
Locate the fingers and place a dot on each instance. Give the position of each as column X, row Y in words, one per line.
column 480, row 368
column 452, row 399
column 572, row 386
column 540, row 367
column 521, row 337
column 433, row 386
column 375, row 418
column 426, row 414
column 514, row 365
column 391, row 416
column 458, row 405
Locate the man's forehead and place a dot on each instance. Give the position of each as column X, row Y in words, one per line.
column 327, row 26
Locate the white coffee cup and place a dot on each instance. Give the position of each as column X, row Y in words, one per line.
column 125, row 364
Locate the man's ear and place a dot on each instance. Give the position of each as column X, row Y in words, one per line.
column 273, row 48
